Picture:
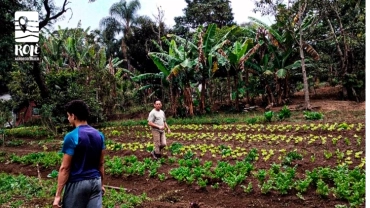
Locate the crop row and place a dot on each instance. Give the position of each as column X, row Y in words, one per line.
column 271, row 139
column 225, row 152
column 342, row 182
column 23, row 191
column 228, row 152
column 330, row 127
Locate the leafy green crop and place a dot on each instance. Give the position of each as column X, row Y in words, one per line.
column 268, row 115
column 312, row 115
column 175, row 147
column 284, row 113
column 53, row 174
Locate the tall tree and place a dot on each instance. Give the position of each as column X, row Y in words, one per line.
column 296, row 29
column 49, row 14
column 123, row 15
column 202, row 13
column 140, row 44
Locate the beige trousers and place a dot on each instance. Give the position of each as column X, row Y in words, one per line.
column 159, row 139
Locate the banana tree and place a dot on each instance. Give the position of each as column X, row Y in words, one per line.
column 280, row 49
column 237, row 55
column 70, row 50
column 209, row 57
column 153, row 84
column 177, row 66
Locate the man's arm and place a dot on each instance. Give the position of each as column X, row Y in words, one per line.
column 101, row 169
column 168, row 128
column 63, row 176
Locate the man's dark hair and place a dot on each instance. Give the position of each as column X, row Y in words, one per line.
column 157, row 100
column 79, row 108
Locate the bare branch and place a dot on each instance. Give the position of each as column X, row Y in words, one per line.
column 48, row 18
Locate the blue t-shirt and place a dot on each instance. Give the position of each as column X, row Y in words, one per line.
column 85, row 145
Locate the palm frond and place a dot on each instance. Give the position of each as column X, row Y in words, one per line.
column 158, row 46
column 297, row 64
column 149, row 86
column 126, row 71
column 253, row 66
column 210, row 33
column 183, row 41
column 146, row 76
column 281, row 73
column 248, row 55
column 273, row 32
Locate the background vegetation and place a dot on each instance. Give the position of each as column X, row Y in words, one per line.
column 203, row 61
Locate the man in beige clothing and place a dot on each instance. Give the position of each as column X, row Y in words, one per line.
column 157, row 120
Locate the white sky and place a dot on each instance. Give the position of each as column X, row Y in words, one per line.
column 91, row 13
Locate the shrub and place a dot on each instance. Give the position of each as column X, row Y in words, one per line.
column 284, row 113
column 268, row 115
column 252, row 120
column 312, row 115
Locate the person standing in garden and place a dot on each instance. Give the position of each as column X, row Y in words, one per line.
column 82, row 170
column 157, row 120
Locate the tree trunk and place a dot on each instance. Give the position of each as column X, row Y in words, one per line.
column 210, row 93
column 286, row 88
column 270, row 96
column 124, row 51
column 202, row 96
column 39, row 79
column 229, row 88
column 246, row 85
column 340, row 52
column 236, row 91
column 305, row 83
column 173, row 100
column 188, row 99
column 278, row 91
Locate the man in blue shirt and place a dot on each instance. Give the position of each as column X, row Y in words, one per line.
column 82, row 170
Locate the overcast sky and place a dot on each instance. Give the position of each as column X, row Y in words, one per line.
column 91, row 13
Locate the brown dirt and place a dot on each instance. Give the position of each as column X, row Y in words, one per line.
column 171, row 193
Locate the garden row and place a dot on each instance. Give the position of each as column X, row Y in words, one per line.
column 280, row 178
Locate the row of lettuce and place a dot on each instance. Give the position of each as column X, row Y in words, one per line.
column 281, row 178
column 143, row 128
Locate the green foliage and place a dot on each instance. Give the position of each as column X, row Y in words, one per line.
column 162, row 176
column 24, row 187
column 261, row 175
column 302, row 185
column 32, row 131
column 290, row 157
column 121, row 198
column 252, row 155
column 322, row 188
column 116, row 133
column 267, row 186
column 284, row 113
column 175, row 147
column 313, row 115
column 233, row 179
column 5, row 113
column 53, row 174
column 44, row 159
column 252, row 120
column 225, row 150
column 203, row 13
column 268, row 115
column 247, row 189
column 275, row 168
column 188, row 155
